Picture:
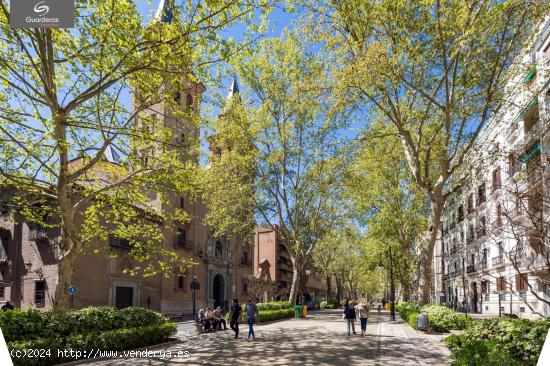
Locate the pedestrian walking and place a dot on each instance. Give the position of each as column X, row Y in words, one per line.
column 362, row 311
column 251, row 312
column 350, row 317
column 236, row 316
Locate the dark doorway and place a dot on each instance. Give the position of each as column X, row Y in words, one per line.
column 124, row 297
column 475, row 299
column 218, row 291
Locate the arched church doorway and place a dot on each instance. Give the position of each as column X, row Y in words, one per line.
column 218, row 291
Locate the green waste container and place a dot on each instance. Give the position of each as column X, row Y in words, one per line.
column 298, row 311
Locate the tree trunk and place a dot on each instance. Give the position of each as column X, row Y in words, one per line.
column 338, row 290
column 296, row 280
column 328, row 279
column 69, row 248
column 427, row 250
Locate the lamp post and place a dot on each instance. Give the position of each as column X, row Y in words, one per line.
column 194, row 286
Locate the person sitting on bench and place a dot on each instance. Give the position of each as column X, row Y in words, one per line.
column 210, row 316
column 201, row 319
column 218, row 315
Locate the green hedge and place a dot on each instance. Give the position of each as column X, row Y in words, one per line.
column 440, row 318
column 405, row 308
column 24, row 325
column 443, row 319
column 275, row 305
column 269, row 311
column 499, row 342
column 271, row 315
column 103, row 328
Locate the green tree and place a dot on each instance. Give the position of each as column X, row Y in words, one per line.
column 390, row 205
column 297, row 148
column 63, row 106
column 434, row 71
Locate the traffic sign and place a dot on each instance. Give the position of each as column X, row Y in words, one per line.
column 72, row 290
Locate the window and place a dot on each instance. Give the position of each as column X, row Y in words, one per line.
column 481, row 230
column 499, row 215
column 180, row 282
column 531, row 117
column 513, row 165
column 501, row 284
column 181, row 237
column 496, row 179
column 245, row 288
column 219, row 249
column 485, row 286
column 481, row 194
column 182, row 202
column 119, row 242
column 2, row 292
column 177, row 97
column 522, row 282
column 460, row 213
column 40, row 293
column 189, row 101
column 470, row 203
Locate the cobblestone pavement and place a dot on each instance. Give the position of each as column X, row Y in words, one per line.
column 321, row 339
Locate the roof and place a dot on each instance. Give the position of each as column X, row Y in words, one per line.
column 234, row 88
column 165, row 12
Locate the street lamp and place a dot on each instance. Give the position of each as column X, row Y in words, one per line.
column 194, row 286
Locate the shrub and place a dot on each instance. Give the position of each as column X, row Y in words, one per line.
column 443, row 319
column 104, row 328
column 271, row 315
column 275, row 305
column 405, row 308
column 411, row 319
column 328, row 305
column 113, row 340
column 499, row 342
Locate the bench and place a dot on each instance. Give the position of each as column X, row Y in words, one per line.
column 199, row 327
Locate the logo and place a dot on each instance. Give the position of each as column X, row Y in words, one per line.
column 42, row 14
column 41, row 9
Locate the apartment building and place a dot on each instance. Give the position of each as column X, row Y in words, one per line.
column 267, row 247
column 492, row 255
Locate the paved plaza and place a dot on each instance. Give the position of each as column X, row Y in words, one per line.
column 321, row 339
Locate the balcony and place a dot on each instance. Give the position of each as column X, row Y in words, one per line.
column 471, row 268
column 498, row 261
column 484, row 263
column 181, row 243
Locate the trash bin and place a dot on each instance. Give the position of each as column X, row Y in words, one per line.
column 305, row 311
column 298, row 311
column 422, row 321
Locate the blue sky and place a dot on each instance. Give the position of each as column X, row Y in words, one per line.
column 278, row 19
